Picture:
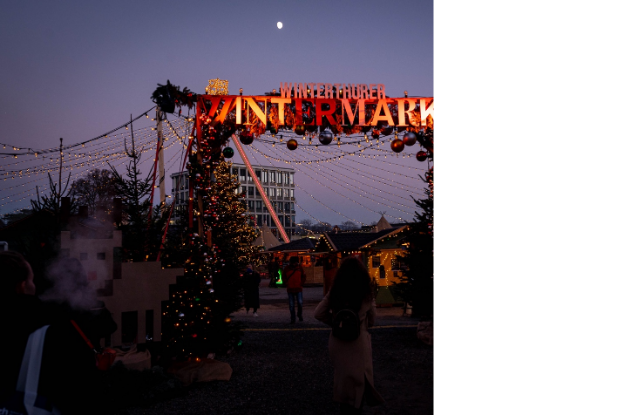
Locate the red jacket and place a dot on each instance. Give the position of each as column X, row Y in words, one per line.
column 294, row 277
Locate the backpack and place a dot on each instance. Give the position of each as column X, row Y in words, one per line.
column 346, row 325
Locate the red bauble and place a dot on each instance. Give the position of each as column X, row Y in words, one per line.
column 409, row 139
column 300, row 130
column 376, row 133
column 387, row 130
column 397, row 145
column 292, row 144
column 421, row 156
column 246, row 137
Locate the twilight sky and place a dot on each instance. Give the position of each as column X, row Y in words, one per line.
column 78, row 69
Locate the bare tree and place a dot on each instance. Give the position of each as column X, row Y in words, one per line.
column 95, row 190
column 349, row 226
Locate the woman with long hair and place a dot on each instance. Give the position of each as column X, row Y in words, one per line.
column 352, row 359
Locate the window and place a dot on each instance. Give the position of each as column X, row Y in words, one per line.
column 287, row 221
column 376, row 261
column 292, row 178
column 271, row 192
column 84, row 256
column 280, row 205
column 279, row 192
column 241, row 174
column 306, row 261
column 252, row 205
column 272, row 176
column 101, row 255
column 265, row 176
column 286, row 178
column 250, row 191
column 279, row 177
column 287, row 207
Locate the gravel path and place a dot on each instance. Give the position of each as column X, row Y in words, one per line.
column 285, row 369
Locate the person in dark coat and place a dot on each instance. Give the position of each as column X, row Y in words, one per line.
column 352, row 360
column 68, row 377
column 73, row 296
column 251, row 284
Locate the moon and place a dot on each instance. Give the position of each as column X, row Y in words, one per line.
column 279, row 25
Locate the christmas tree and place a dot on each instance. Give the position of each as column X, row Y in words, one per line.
column 219, row 245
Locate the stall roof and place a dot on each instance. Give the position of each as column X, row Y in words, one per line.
column 298, row 245
column 350, row 241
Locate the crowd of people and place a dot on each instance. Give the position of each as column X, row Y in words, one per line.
column 66, row 377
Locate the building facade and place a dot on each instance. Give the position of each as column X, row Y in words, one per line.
column 278, row 184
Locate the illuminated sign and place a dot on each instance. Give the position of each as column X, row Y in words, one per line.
column 349, row 91
column 308, row 104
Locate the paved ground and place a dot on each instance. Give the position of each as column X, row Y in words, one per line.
column 285, row 369
column 274, row 310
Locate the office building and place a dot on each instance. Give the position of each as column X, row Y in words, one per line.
column 278, row 184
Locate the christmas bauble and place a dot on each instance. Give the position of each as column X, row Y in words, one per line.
column 291, row 144
column 387, row 130
column 366, row 128
column 409, row 139
column 228, row 152
column 421, row 156
column 246, row 137
column 310, row 128
column 376, row 133
column 326, row 137
column 397, row 145
column 300, row 130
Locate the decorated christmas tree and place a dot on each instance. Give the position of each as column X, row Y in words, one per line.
column 219, row 244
